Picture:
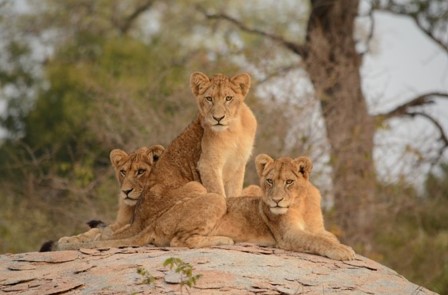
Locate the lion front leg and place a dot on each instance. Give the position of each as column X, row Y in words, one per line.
column 301, row 241
column 98, row 234
column 327, row 235
column 90, row 235
column 234, row 185
column 143, row 238
column 211, row 176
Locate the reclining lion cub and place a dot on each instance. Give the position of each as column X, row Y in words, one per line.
column 213, row 150
column 288, row 215
column 132, row 173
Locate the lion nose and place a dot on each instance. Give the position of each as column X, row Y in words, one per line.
column 277, row 200
column 127, row 191
column 218, row 119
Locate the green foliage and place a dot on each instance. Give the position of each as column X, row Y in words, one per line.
column 188, row 278
column 148, row 279
column 184, row 269
column 411, row 233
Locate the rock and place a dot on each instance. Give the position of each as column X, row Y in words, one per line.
column 238, row 269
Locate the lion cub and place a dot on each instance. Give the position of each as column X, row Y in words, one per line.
column 288, row 213
column 132, row 172
column 229, row 131
column 141, row 163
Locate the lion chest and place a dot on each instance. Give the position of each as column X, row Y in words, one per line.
column 234, row 154
column 235, row 159
column 227, row 151
column 295, row 218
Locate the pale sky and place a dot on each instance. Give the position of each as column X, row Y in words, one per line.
column 404, row 64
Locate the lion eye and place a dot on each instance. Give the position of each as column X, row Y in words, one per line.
column 229, row 98
column 123, row 172
column 141, row 171
column 289, row 181
column 209, row 98
column 269, row 181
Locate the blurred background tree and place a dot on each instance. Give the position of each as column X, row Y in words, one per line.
column 79, row 78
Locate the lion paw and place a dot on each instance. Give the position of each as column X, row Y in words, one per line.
column 105, row 234
column 341, row 252
column 88, row 236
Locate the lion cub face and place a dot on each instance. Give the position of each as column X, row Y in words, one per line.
column 282, row 180
column 133, row 170
column 219, row 98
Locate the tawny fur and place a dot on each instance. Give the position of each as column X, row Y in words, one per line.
column 229, row 131
column 176, row 209
column 132, row 173
column 286, row 215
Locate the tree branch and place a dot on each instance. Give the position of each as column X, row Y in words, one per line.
column 401, row 9
column 421, row 100
column 403, row 110
column 443, row 136
column 294, row 47
column 125, row 24
column 279, row 72
column 431, row 35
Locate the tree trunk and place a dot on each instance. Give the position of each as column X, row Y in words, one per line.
column 333, row 65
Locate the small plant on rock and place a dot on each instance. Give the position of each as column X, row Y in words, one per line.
column 185, row 270
column 148, row 279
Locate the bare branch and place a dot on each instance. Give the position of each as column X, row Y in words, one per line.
column 294, row 47
column 430, row 35
column 125, row 24
column 417, row 15
column 443, row 136
column 279, row 72
column 403, row 110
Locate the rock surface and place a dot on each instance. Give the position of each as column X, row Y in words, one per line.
column 239, row 269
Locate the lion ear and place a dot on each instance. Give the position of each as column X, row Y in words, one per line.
column 198, row 79
column 156, row 152
column 151, row 153
column 116, row 156
column 304, row 165
column 243, row 81
column 261, row 161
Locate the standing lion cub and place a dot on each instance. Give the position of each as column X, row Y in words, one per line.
column 229, row 131
column 287, row 215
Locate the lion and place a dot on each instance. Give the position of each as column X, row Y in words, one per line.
column 186, row 192
column 286, row 215
column 229, row 131
column 132, row 173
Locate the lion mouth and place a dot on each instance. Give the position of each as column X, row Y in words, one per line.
column 278, row 210
column 219, row 127
column 130, row 201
